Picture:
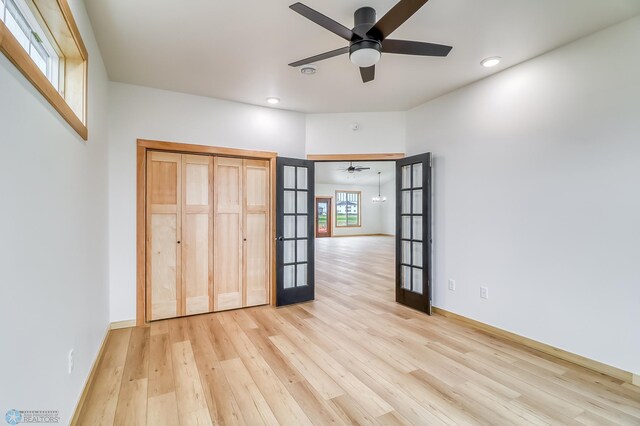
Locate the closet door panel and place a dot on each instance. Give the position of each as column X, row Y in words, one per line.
column 228, row 253
column 164, row 223
column 197, row 234
column 257, row 255
column 256, row 235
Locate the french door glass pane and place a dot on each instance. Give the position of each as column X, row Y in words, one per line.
column 417, row 227
column 406, row 277
column 302, row 178
column 289, row 251
column 417, row 280
column 417, row 201
column 302, row 275
column 406, row 201
column 406, row 252
column 289, row 177
column 406, row 227
column 289, row 276
column 289, row 226
column 417, row 175
column 417, row 254
column 302, row 202
column 289, row 201
column 302, row 226
column 406, row 177
column 302, row 251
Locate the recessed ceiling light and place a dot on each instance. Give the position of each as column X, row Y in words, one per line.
column 308, row 69
column 490, row 62
column 272, row 100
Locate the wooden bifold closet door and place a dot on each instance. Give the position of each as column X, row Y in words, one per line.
column 208, row 228
column 180, row 234
column 242, row 212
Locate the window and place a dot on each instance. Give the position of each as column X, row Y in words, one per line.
column 24, row 26
column 42, row 40
column 347, row 209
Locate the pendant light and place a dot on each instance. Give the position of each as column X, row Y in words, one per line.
column 379, row 198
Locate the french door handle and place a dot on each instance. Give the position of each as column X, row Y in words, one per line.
column 279, row 238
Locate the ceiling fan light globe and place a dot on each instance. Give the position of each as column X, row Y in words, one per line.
column 365, row 58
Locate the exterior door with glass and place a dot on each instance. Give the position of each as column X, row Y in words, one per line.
column 323, row 217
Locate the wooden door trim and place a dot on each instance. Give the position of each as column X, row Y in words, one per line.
column 142, row 146
column 329, row 219
column 205, row 149
column 356, row 157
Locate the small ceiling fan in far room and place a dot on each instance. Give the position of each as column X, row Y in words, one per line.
column 368, row 38
column 352, row 168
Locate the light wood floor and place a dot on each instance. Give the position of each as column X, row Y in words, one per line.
column 353, row 356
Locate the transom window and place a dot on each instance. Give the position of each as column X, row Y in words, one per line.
column 34, row 39
column 348, row 209
column 42, row 40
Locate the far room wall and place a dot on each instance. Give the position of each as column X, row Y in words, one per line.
column 372, row 214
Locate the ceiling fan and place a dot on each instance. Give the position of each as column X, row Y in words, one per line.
column 352, row 168
column 368, row 38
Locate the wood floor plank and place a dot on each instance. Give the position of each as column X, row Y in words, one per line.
column 162, row 410
column 189, row 394
column 223, row 408
column 254, row 407
column 102, row 399
column 352, row 356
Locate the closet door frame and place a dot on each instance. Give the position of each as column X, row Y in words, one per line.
column 144, row 145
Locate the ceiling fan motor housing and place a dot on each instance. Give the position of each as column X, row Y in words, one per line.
column 364, row 18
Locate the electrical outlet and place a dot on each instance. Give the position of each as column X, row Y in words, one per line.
column 452, row 285
column 70, row 361
column 484, row 292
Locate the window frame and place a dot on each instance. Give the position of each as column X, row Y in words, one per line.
column 359, row 214
column 56, row 18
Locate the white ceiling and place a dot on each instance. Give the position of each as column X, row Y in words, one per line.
column 239, row 50
column 330, row 173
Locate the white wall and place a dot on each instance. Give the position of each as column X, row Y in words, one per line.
column 140, row 112
column 389, row 208
column 379, row 132
column 371, row 213
column 53, row 257
column 536, row 188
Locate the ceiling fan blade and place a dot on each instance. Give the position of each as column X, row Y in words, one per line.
column 368, row 73
column 398, row 14
column 406, row 47
column 320, row 57
column 323, row 21
column 363, row 168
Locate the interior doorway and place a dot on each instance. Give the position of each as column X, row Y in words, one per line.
column 355, row 229
column 323, row 217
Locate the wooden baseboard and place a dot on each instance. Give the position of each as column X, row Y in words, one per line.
column 90, row 377
column 122, row 324
column 547, row 349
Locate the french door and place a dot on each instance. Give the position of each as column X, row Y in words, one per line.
column 413, row 232
column 294, row 231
